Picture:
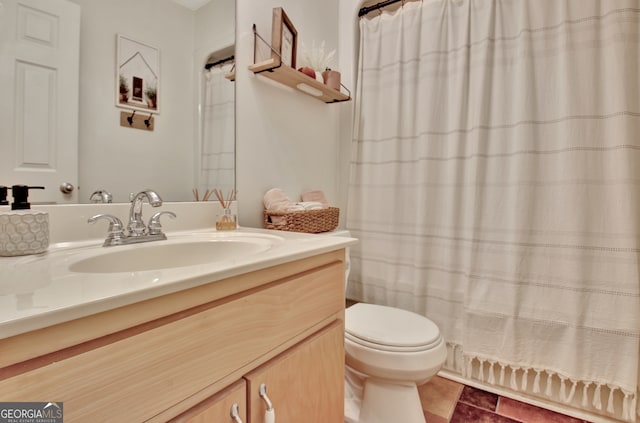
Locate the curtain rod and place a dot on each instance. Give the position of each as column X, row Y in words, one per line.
column 219, row 62
column 376, row 6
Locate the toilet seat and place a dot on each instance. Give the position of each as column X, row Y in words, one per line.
column 390, row 329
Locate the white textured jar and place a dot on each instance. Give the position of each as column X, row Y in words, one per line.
column 23, row 232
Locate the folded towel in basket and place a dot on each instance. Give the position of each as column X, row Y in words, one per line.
column 315, row 196
column 276, row 200
column 311, row 205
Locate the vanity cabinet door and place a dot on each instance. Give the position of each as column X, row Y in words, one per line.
column 305, row 383
column 217, row 409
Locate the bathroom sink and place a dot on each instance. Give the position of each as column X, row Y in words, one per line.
column 170, row 254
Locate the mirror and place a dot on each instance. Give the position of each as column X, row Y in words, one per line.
column 188, row 34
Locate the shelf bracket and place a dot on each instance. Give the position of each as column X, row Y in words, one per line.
column 256, row 35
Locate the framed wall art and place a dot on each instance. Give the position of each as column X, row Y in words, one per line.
column 137, row 75
column 284, row 38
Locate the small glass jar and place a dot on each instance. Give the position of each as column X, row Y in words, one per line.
column 226, row 221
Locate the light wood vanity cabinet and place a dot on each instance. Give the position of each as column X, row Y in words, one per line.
column 218, row 408
column 188, row 356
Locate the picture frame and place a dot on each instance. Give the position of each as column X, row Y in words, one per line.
column 284, row 39
column 137, row 75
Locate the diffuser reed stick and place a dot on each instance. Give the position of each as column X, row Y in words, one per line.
column 227, row 221
column 220, row 196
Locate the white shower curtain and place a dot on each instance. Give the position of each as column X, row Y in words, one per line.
column 495, row 186
column 218, row 134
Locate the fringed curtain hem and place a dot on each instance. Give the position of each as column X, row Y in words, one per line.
column 548, row 383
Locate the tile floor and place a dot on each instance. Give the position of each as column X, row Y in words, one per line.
column 447, row 401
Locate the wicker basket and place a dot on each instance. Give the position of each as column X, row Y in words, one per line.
column 309, row 221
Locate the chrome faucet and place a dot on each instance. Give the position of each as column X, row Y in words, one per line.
column 136, row 225
column 137, row 231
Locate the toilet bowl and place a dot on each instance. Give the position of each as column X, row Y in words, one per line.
column 388, row 353
column 392, row 351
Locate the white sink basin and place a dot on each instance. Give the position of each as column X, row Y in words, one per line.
column 170, row 254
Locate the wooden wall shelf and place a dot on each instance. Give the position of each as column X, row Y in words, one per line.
column 289, row 76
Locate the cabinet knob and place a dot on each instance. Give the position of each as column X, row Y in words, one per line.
column 270, row 414
column 235, row 414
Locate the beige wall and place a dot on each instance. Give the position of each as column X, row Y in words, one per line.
column 285, row 139
column 123, row 160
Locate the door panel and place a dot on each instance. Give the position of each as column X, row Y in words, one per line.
column 304, row 384
column 39, row 86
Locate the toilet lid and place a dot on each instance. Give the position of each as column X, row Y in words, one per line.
column 382, row 326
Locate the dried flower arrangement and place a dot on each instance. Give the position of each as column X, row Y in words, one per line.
column 316, row 58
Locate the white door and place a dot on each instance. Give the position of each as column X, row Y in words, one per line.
column 39, row 82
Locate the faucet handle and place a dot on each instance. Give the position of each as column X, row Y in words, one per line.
column 154, row 227
column 115, row 232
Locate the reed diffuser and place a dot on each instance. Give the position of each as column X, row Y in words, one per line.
column 227, row 221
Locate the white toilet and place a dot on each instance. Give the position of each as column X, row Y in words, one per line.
column 389, row 352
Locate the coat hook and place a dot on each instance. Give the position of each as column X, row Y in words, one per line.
column 130, row 118
column 147, row 121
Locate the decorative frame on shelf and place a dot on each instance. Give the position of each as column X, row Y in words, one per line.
column 137, row 75
column 284, row 39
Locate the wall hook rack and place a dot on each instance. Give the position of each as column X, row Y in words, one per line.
column 131, row 120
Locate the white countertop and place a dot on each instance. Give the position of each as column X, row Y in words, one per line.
column 40, row 290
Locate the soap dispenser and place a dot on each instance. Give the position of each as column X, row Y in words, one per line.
column 22, row 230
column 3, row 196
